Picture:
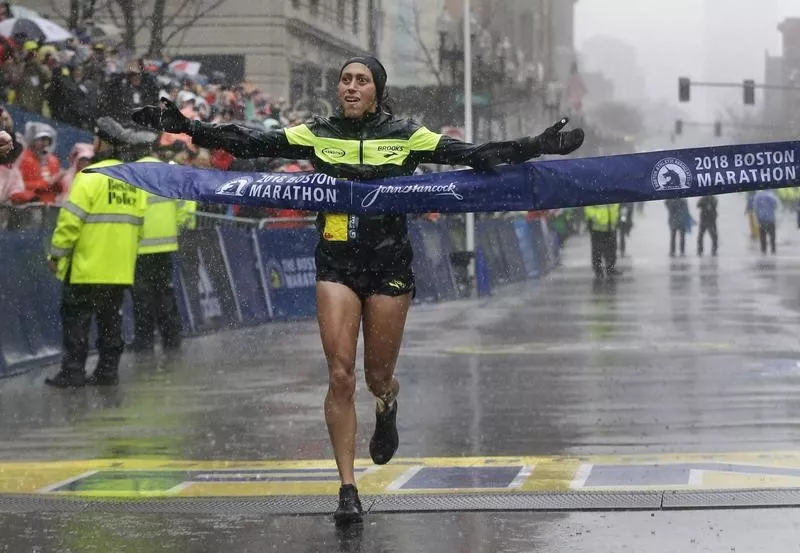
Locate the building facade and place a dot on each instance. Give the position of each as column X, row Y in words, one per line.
column 290, row 48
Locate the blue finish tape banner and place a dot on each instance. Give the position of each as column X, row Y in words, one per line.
column 527, row 186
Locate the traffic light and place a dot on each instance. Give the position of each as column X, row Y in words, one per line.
column 718, row 129
column 684, row 89
column 749, row 92
column 679, row 126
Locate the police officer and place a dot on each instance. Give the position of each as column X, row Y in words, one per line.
column 93, row 252
column 154, row 300
column 602, row 222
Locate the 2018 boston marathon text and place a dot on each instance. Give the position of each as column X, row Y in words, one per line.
column 769, row 166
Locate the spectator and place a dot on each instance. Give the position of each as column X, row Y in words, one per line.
column 30, row 77
column 133, row 89
column 69, row 99
column 708, row 223
column 765, row 205
column 40, row 169
column 79, row 158
column 12, row 187
column 680, row 221
column 5, row 11
column 96, row 67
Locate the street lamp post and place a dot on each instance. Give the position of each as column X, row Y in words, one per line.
column 470, row 217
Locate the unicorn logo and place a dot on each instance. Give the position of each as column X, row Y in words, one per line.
column 671, row 174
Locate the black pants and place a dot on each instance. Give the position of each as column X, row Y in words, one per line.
column 710, row 227
column 79, row 303
column 767, row 230
column 623, row 234
column 604, row 247
column 674, row 232
column 154, row 302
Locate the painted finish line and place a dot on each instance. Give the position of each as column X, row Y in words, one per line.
column 162, row 478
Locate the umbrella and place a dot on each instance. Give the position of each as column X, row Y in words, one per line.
column 34, row 28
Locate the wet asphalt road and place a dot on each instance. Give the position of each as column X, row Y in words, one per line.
column 679, row 355
column 692, row 531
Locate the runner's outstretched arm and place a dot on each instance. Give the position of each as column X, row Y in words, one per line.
column 552, row 141
column 241, row 141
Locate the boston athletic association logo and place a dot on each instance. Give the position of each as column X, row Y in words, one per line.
column 671, row 174
column 234, row 187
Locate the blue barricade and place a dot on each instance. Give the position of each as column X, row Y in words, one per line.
column 239, row 247
column 206, row 283
column 227, row 277
column 433, row 272
column 30, row 328
column 289, row 271
column 522, row 228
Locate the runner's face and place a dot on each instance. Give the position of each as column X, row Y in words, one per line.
column 357, row 94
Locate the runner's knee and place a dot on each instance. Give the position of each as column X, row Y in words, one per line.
column 342, row 381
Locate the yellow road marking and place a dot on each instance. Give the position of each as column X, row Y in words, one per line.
column 160, row 478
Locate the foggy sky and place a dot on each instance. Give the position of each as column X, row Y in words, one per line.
column 715, row 40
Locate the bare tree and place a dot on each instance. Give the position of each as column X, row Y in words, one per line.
column 164, row 21
column 410, row 23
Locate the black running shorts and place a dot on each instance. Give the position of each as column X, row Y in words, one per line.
column 371, row 283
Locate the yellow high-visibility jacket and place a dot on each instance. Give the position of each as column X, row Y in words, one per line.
column 98, row 230
column 161, row 221
column 602, row 218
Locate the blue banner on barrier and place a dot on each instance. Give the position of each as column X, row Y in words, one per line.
column 512, row 256
column 30, row 327
column 488, row 240
column 424, row 278
column 433, row 271
column 528, row 186
column 289, row 269
column 522, row 228
column 239, row 249
column 206, row 282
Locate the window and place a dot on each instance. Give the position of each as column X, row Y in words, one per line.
column 356, row 16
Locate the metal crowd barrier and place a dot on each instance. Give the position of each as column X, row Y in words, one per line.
column 31, row 216
column 211, row 220
column 41, row 216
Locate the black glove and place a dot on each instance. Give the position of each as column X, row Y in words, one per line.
column 166, row 117
column 554, row 141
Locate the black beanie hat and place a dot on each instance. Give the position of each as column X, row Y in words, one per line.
column 377, row 69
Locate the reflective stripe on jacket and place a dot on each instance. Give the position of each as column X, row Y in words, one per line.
column 603, row 218
column 98, row 230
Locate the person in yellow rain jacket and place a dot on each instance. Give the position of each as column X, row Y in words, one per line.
column 93, row 252
column 602, row 222
column 154, row 299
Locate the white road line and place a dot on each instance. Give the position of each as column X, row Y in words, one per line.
column 403, row 480
column 523, row 474
column 57, row 485
column 581, row 476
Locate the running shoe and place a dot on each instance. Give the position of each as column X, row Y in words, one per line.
column 385, row 440
column 349, row 510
